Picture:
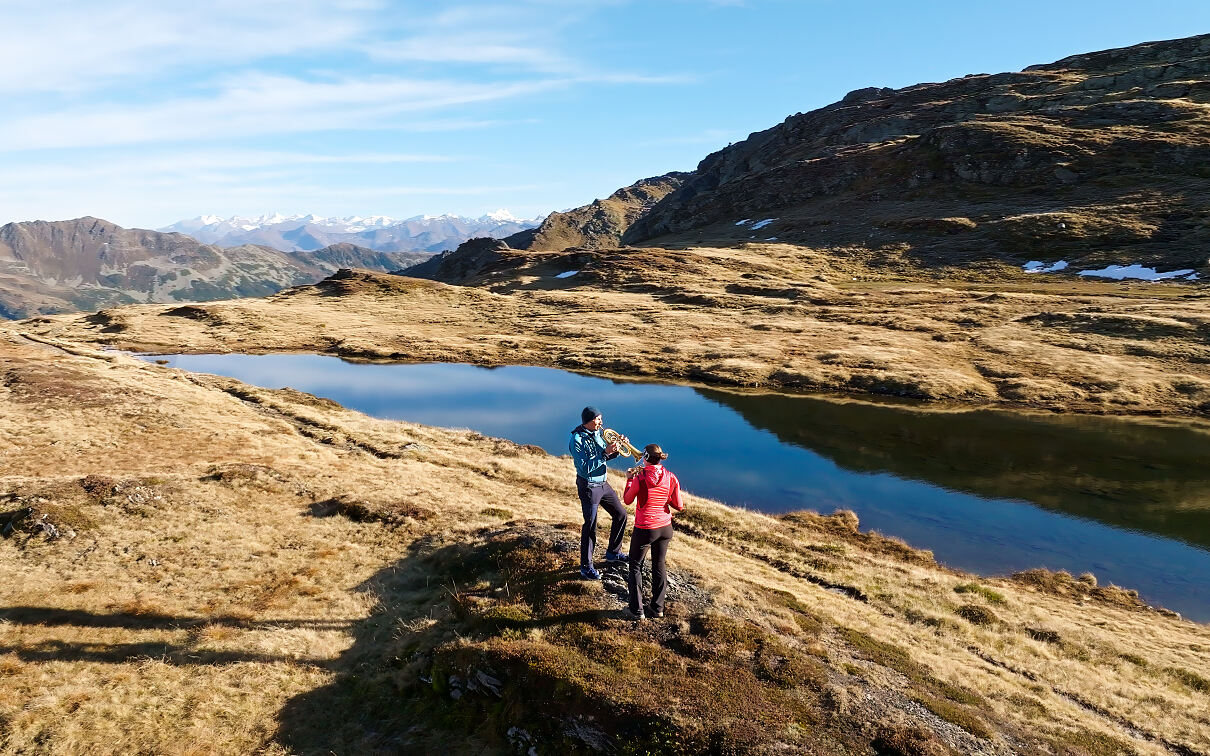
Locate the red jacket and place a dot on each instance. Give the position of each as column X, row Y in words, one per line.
column 658, row 492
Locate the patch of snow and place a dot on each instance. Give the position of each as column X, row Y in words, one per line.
column 502, row 216
column 1037, row 266
column 743, row 222
column 567, row 274
column 1192, row 277
column 1136, row 271
column 771, row 238
column 761, row 224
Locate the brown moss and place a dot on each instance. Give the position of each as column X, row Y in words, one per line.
column 886, row 654
column 1062, row 583
column 365, row 510
column 97, row 486
column 787, row 668
column 955, row 714
column 909, row 741
column 1043, row 634
column 977, row 615
column 1085, row 743
column 806, row 619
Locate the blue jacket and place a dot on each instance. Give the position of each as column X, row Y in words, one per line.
column 588, row 452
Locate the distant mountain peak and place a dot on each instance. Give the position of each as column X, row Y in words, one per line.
column 502, row 216
column 382, row 233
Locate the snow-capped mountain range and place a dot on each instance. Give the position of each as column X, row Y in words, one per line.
column 306, row 233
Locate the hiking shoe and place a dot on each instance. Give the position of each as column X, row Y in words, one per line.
column 659, row 614
column 616, row 556
column 633, row 615
column 589, row 573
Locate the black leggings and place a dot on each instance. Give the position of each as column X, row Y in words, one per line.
column 657, row 539
column 592, row 498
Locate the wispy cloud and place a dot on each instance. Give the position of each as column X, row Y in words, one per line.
column 255, row 104
column 145, row 106
column 234, row 164
column 75, row 45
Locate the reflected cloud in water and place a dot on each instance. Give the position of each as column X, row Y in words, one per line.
column 988, row 492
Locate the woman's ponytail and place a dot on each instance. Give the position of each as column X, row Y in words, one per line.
column 654, row 454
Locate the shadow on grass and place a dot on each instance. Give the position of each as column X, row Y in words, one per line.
column 50, row 617
column 118, row 653
column 368, row 707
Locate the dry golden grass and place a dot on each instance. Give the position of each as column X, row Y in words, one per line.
column 236, row 584
column 771, row 315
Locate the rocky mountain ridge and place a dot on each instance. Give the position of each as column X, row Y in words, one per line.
column 1092, row 165
column 1096, row 159
column 601, row 223
column 89, row 263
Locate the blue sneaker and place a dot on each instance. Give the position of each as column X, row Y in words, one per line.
column 588, row 573
column 616, row 556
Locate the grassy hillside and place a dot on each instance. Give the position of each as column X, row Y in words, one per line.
column 212, row 567
column 766, row 315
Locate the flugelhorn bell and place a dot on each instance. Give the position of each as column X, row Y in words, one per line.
column 611, row 436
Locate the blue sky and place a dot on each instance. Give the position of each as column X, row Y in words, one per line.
column 145, row 112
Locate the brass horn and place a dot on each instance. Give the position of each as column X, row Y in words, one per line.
column 611, row 436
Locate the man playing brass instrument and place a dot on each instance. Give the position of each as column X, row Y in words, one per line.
column 590, row 452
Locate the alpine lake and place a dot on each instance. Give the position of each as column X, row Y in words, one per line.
column 988, row 491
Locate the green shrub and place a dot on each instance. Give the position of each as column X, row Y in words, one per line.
column 993, row 597
column 1194, row 681
column 955, row 714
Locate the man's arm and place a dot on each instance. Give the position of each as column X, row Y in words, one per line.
column 579, row 455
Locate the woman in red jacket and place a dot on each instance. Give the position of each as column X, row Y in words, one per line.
column 658, row 493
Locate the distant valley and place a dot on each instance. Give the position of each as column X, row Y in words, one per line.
column 89, row 263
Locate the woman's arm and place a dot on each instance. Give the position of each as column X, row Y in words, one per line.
column 632, row 489
column 674, row 495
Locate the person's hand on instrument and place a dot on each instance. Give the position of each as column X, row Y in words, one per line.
column 633, row 472
column 612, row 448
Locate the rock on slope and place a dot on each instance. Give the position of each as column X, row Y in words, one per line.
column 1099, row 158
column 89, row 263
column 599, row 224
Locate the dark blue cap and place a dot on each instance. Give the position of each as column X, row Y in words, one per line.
column 588, row 413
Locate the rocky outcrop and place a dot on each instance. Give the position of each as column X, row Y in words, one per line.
column 601, row 224
column 89, row 263
column 473, row 257
column 1121, row 133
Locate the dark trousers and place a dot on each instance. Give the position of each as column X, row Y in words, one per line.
column 641, row 539
column 592, row 497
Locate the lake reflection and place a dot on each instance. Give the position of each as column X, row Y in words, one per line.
column 987, row 491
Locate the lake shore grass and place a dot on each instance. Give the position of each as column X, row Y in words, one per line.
column 760, row 316
column 212, row 567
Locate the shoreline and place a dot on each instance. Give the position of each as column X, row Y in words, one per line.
column 1092, row 353
column 267, row 540
column 1018, row 497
